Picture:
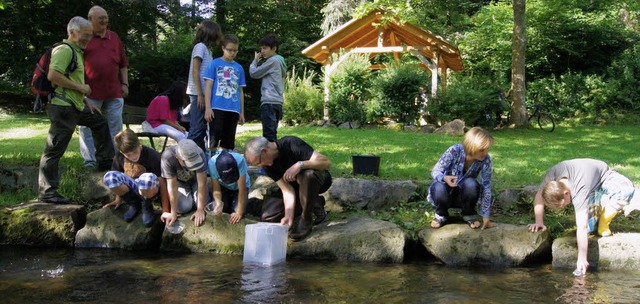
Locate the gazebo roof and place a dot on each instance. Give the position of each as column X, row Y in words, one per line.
column 363, row 34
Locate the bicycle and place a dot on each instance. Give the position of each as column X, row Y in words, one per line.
column 544, row 119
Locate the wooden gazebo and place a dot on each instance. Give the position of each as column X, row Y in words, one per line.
column 370, row 35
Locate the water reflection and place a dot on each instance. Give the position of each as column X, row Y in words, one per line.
column 577, row 293
column 263, row 284
column 90, row 276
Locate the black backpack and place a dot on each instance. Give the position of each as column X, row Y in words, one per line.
column 40, row 84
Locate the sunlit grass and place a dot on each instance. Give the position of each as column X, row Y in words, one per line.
column 520, row 158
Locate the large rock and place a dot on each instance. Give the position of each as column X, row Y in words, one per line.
column 368, row 194
column 214, row 235
column 395, row 126
column 620, row 251
column 262, row 186
column 503, row 245
column 92, row 186
column 41, row 224
column 349, row 125
column 353, row 239
column 509, row 197
column 455, row 127
column 105, row 228
column 15, row 177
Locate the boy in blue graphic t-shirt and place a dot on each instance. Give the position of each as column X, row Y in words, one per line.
column 224, row 97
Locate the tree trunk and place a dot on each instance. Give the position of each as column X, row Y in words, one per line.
column 518, row 51
column 193, row 10
column 221, row 13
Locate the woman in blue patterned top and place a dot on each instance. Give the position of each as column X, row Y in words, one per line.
column 455, row 180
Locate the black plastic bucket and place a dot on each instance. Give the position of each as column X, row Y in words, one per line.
column 365, row 164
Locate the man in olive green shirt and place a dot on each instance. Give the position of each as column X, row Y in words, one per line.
column 68, row 109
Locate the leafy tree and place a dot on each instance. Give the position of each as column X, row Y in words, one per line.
column 303, row 99
column 336, row 13
column 574, row 36
column 296, row 23
column 349, row 89
column 518, row 51
column 30, row 26
column 396, row 89
column 471, row 98
column 486, row 47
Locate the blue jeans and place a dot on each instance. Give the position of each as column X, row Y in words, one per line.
column 112, row 112
column 188, row 196
column 198, row 126
column 270, row 114
column 464, row 196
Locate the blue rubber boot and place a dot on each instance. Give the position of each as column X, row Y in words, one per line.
column 148, row 217
column 133, row 199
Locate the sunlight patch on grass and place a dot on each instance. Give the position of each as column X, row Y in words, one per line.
column 24, row 132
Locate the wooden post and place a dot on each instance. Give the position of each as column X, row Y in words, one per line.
column 434, row 72
column 327, row 72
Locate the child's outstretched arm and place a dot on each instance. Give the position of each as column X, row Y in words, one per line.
column 538, row 210
column 582, row 236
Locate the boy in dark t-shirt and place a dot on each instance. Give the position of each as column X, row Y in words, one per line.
column 134, row 178
column 301, row 174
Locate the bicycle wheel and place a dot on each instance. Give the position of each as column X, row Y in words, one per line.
column 546, row 122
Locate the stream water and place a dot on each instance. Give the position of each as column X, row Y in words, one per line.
column 45, row 275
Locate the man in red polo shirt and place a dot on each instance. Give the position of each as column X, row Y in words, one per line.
column 106, row 73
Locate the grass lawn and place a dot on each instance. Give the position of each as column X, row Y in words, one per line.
column 520, row 156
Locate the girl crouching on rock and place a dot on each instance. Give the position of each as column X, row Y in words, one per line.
column 456, row 182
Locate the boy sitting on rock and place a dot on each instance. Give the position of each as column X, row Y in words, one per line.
column 134, row 177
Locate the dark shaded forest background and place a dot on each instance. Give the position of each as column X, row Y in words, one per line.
column 582, row 60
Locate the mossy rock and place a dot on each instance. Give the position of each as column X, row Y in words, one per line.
column 40, row 224
column 215, row 235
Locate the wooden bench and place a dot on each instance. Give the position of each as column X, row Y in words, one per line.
column 132, row 115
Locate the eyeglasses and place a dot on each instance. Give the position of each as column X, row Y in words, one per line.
column 231, row 50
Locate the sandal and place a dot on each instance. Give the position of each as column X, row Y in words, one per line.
column 473, row 224
column 438, row 221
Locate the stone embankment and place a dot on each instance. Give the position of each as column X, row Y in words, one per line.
column 346, row 239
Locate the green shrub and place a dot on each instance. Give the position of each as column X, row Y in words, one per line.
column 151, row 71
column 470, row 98
column 572, row 95
column 624, row 80
column 303, row 100
column 592, row 98
column 349, row 89
column 396, row 89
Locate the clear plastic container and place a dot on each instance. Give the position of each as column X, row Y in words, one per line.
column 265, row 244
column 210, row 207
column 176, row 228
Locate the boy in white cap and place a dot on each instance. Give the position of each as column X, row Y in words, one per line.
column 185, row 168
column 228, row 171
